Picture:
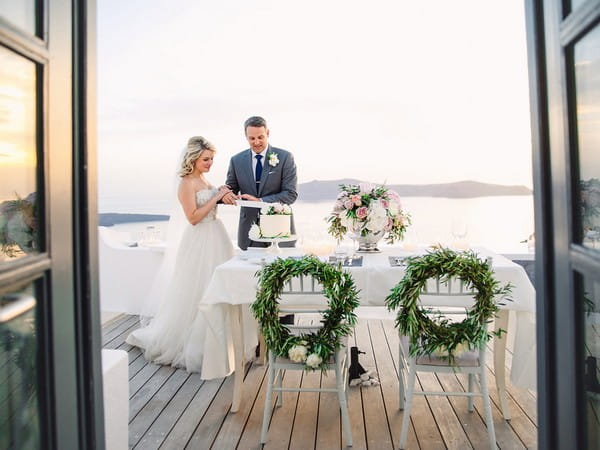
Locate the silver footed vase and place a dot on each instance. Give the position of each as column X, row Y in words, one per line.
column 368, row 243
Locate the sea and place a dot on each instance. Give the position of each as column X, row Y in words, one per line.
column 500, row 223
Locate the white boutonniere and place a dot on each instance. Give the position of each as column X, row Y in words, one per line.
column 273, row 159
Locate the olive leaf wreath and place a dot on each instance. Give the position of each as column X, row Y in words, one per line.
column 338, row 319
column 428, row 335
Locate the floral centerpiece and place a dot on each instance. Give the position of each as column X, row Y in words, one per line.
column 370, row 212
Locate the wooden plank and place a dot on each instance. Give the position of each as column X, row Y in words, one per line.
column 208, row 428
column 136, row 365
column 133, row 353
column 181, row 433
column 168, row 416
column 138, row 381
column 109, row 336
column 305, row 421
column 355, row 410
column 426, row 430
column 138, row 400
column 505, row 430
column 119, row 340
column 250, row 438
column 195, row 414
column 230, row 432
column 450, row 427
column 383, row 352
column 329, row 420
column 154, row 407
column 473, row 423
column 527, row 399
column 114, row 323
column 282, row 419
column 376, row 423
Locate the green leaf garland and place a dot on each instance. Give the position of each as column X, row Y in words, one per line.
column 427, row 335
column 338, row 319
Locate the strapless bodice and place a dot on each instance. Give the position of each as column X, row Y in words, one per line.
column 204, row 196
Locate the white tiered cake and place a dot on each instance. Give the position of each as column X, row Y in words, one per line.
column 274, row 225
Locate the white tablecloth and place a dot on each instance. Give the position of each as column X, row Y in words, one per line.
column 234, row 283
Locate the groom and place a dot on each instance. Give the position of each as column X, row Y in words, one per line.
column 260, row 173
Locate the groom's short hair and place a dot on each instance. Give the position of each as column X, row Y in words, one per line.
column 255, row 121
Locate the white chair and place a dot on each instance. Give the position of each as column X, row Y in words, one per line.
column 471, row 362
column 303, row 297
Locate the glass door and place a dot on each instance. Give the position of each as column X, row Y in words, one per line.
column 50, row 377
column 564, row 62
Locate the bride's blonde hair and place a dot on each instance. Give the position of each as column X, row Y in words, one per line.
column 195, row 146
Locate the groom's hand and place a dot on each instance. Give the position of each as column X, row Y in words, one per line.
column 252, row 198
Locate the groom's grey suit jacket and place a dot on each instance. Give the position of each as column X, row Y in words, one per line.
column 277, row 184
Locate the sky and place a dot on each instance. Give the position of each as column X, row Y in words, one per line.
column 386, row 91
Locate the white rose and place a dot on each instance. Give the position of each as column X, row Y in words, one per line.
column 287, row 209
column 314, row 360
column 347, row 222
column 298, row 353
column 376, row 210
column 254, row 232
column 273, row 159
column 376, row 224
column 394, row 208
column 265, row 210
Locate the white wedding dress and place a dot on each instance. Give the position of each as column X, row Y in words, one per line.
column 177, row 333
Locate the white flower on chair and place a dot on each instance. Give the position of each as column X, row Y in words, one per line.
column 314, row 360
column 298, row 353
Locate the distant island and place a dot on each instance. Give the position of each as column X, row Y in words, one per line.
column 317, row 191
column 327, row 190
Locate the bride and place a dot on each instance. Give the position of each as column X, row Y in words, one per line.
column 175, row 335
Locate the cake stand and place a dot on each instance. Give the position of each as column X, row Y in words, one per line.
column 274, row 247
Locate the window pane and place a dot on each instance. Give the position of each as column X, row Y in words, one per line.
column 591, row 305
column 19, row 218
column 20, row 13
column 587, row 79
column 19, row 401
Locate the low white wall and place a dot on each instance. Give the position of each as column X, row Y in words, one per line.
column 115, row 384
column 126, row 273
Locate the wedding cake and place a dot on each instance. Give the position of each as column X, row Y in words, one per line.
column 274, row 220
column 276, row 225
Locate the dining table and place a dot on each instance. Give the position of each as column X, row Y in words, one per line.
column 232, row 337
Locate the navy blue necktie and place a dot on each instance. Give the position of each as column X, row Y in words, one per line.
column 258, row 171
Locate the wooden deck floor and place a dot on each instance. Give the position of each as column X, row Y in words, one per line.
column 172, row 409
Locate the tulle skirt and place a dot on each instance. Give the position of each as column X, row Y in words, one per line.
column 176, row 334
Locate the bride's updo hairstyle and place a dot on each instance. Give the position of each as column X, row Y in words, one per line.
column 195, row 146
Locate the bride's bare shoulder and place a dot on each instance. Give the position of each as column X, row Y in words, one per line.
column 193, row 184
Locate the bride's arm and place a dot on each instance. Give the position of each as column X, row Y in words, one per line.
column 187, row 198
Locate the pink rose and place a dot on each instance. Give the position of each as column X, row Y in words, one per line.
column 384, row 203
column 362, row 212
column 348, row 204
column 356, row 200
column 393, row 195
